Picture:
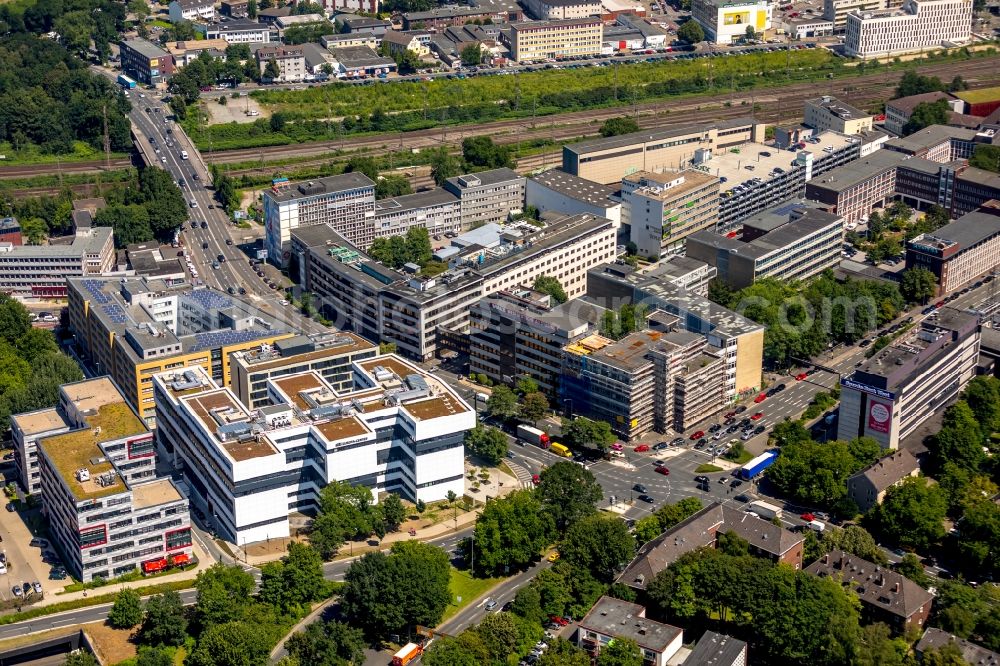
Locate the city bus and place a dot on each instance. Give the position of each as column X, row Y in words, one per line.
column 126, row 82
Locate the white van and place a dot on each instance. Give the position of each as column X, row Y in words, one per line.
column 184, row 154
column 817, row 526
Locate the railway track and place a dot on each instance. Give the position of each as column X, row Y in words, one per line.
column 768, row 104
column 64, row 168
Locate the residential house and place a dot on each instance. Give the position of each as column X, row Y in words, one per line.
column 868, row 487
column 291, row 63
column 612, row 618
column 399, row 43
column 717, row 650
column 934, row 638
column 191, row 10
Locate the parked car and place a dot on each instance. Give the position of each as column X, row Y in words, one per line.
column 761, row 397
column 16, row 589
column 757, row 417
column 698, row 434
column 491, row 604
column 642, row 448
column 808, row 517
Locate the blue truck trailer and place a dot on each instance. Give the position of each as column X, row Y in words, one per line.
column 758, row 465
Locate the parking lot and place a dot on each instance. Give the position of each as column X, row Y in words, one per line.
column 23, row 553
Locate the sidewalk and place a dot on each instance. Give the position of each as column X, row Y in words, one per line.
column 204, row 562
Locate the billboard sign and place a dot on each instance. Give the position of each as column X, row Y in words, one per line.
column 870, row 390
column 879, row 416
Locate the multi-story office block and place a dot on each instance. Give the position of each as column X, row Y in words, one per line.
column 663, row 209
column 960, row 252
column 917, row 25
column 132, row 328
column 518, row 333
column 730, row 336
column 145, row 61
column 40, row 271
column 330, row 355
column 438, row 210
column 398, row 429
column 548, row 10
column 903, row 385
column 726, row 21
column 487, row 196
column 940, row 143
column 556, row 190
column 898, row 111
column 650, row 380
column 837, row 10
column 347, row 202
column 381, row 304
column 608, row 160
column 568, row 38
column 103, row 507
column 829, row 113
column 853, row 190
column 793, row 242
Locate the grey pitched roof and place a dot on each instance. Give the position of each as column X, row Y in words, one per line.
column 976, row 655
column 875, row 585
column 883, row 473
column 715, row 649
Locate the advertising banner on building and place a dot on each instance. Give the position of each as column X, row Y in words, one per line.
column 879, row 416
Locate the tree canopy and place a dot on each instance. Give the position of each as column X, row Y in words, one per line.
column 511, row 531
column 618, row 126
column 912, row 83
column 691, row 32
column 547, row 284
column 911, row 515
column 568, row 492
column 587, row 433
column 926, row 114
column 488, row 443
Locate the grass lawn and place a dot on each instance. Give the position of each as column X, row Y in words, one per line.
column 707, row 468
column 744, row 457
column 464, row 586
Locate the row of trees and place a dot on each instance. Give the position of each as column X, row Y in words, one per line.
column 348, row 513
column 525, row 401
column 152, row 207
column 394, row 251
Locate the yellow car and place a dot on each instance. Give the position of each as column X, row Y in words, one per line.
column 553, row 556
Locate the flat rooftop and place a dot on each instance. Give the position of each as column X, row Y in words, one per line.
column 154, row 493
column 541, row 241
column 342, row 429
column 436, row 197
column 979, row 95
column 293, row 387
column 343, row 343
column 89, row 241
column 967, row 231
column 842, row 110
column 623, row 619
column 928, row 137
column 353, row 57
column 756, row 160
column 693, row 180
column 41, row 421
column 343, row 182
column 854, row 173
column 581, row 189
column 626, row 140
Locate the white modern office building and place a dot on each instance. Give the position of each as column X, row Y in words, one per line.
column 917, row 25
column 399, row 429
column 726, row 21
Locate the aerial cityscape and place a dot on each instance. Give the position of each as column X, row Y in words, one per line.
column 500, row 332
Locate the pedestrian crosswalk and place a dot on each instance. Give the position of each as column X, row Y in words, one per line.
column 523, row 475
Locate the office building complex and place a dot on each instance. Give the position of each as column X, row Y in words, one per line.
column 940, row 143
column 543, row 40
column 145, row 62
column 397, row 429
column 663, row 209
column 732, row 337
column 347, row 202
column 608, row 160
column 899, row 110
column 555, row 190
column 521, row 333
column 829, row 113
column 487, row 196
column 836, row 11
column 329, row 355
column 853, row 190
column 95, row 474
column 132, row 328
column 438, row 210
column 792, row 242
column 40, row 271
column 903, row 385
column 381, row 304
column 548, row 10
column 658, row 380
column 726, row 21
column 917, row 25
column 960, row 252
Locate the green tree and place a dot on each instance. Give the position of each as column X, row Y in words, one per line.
column 500, row 634
column 982, row 395
column 563, row 653
column 526, row 385
column 547, row 284
column 230, row 644
column 502, row 403
column 511, row 531
column 959, row 441
column 393, row 511
column 488, row 443
column 387, row 593
column 854, row 539
column 472, row 55
column 252, row 10
column 295, row 580
column 986, row 156
column 912, row 83
column 534, row 406
column 345, row 513
column 569, row 492
column 480, row 151
column 926, row 114
column 224, row 594
column 618, row 126
column 467, row 649
column 444, row 166
column 917, row 284
column 35, row 230
column 586, row 433
column 165, row 622
column 599, row 543
column 327, row 643
column 81, row 658
column 912, row 514
column 152, row 656
column 691, row 32
column 620, row 652
column 957, row 84
column 911, row 567
column 393, row 185
column 948, row 654
column 126, row 611
column 271, row 70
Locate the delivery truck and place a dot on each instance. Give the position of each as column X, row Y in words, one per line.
column 758, row 465
column 406, row 654
column 533, row 436
column 765, row 510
